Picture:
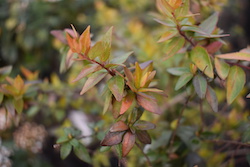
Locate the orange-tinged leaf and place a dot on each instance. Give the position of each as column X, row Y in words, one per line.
column 72, row 43
column 118, row 127
column 167, row 35
column 116, row 86
column 222, row 68
column 28, row 74
column 235, row 83
column 127, row 143
column 129, row 75
column 148, row 104
column 201, row 59
column 112, row 138
column 85, row 41
column 127, row 102
column 144, row 79
column 235, row 56
column 87, row 70
column 18, row 83
column 92, row 81
column 143, row 136
column 116, row 107
column 175, row 3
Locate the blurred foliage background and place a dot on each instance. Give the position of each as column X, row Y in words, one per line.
column 25, row 40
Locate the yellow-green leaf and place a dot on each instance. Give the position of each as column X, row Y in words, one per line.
column 107, row 102
column 200, row 85
column 222, row 68
column 235, row 83
column 174, row 46
column 18, row 103
column 167, row 35
column 138, row 75
column 116, row 86
column 235, row 56
column 183, row 80
column 97, row 50
column 201, row 59
column 121, row 59
column 107, row 45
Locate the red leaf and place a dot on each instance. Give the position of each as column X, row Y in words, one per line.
column 112, row 138
column 85, row 40
column 214, row 47
column 148, row 104
column 118, row 127
column 143, row 136
column 127, row 102
column 127, row 143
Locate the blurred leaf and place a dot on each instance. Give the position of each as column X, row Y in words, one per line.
column 235, row 56
column 96, row 50
column 174, row 46
column 138, row 75
column 9, row 106
column 143, row 136
column 74, row 142
column 127, row 143
column 121, row 59
column 183, row 80
column 144, row 125
column 214, row 47
column 62, row 139
column 107, row 45
column 59, row 34
column 193, row 28
column 150, row 90
column 92, row 81
column 107, row 102
column 18, row 103
column 5, row 71
column 248, row 158
column 209, row 24
column 200, row 85
column 178, row 71
column 164, row 7
column 175, row 3
column 85, row 41
column 148, row 103
column 235, row 83
column 118, row 127
column 104, row 148
column 65, row 150
column 118, row 148
column 88, row 69
column 82, row 153
column 112, row 138
column 212, row 99
column 116, row 86
column 246, row 136
column 167, row 35
column 183, row 10
column 127, row 102
column 116, row 107
column 201, row 59
column 222, row 68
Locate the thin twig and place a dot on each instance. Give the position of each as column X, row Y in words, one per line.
column 145, row 155
column 228, row 142
column 178, row 123
column 246, row 67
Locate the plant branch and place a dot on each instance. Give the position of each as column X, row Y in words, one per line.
column 246, row 67
column 227, row 142
column 178, row 123
column 145, row 155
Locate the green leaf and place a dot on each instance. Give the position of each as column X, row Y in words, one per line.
column 167, row 35
column 82, row 153
column 92, row 81
column 107, row 45
column 104, row 148
column 96, row 50
column 65, row 150
column 209, row 24
column 193, row 28
column 183, row 80
column 74, row 142
column 143, row 125
column 235, row 56
column 174, row 46
column 62, row 139
column 118, row 149
column 200, row 85
column 87, row 70
column 5, row 71
column 178, row 71
column 235, row 83
column 18, row 103
column 1, row 97
column 212, row 99
column 107, row 102
column 222, row 68
column 201, row 59
column 121, row 59
column 116, row 86
column 183, row 10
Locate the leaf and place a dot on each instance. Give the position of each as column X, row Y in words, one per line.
column 18, row 103
column 5, row 71
column 62, row 139
column 222, row 68
column 121, row 59
column 183, row 10
column 85, row 41
column 18, row 83
column 200, row 85
column 118, row 127
column 183, row 80
column 112, row 138
column 116, row 86
column 143, row 136
column 1, row 97
column 209, row 24
column 9, row 106
column 74, row 142
column 107, row 102
column 127, row 143
column 96, row 50
column 148, row 104
column 164, row 7
column 175, row 3
column 144, row 125
column 212, row 99
column 178, row 71
column 138, row 75
column 92, row 81
column 174, row 46
column 107, row 45
column 214, row 47
column 167, row 35
column 235, row 56
column 193, row 28
column 201, row 59
column 116, row 108
column 82, row 153
column 65, row 150
column 127, row 102
column 235, row 83
column 87, row 70
column 105, row 148
column 150, row 90
column 167, row 22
